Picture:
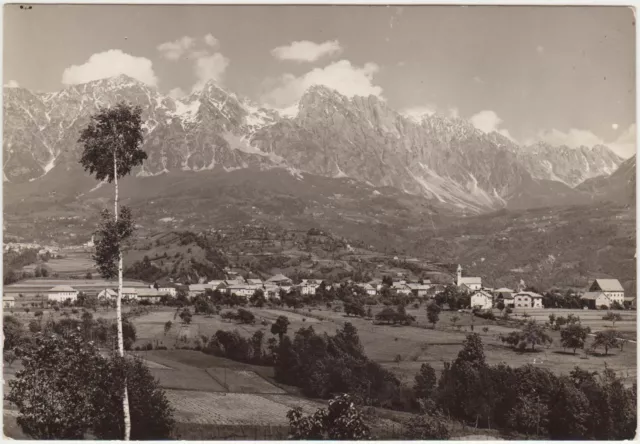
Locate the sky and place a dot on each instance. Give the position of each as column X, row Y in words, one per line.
column 562, row 75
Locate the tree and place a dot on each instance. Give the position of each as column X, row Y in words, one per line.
column 574, row 336
column 500, row 305
column 151, row 412
column 454, row 320
column 529, row 415
column 167, row 327
column 613, row 317
column 88, row 275
column 606, row 339
column 354, row 307
column 433, row 313
column 258, row 299
column 185, row 315
column 531, row 334
column 425, row 382
column 112, row 143
column 342, row 420
column 280, row 327
column 428, row 426
column 53, row 393
column 245, row 316
column 13, row 332
column 68, row 389
column 387, row 315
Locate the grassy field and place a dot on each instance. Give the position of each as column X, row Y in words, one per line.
column 73, row 263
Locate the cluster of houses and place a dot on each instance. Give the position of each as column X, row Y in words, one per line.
column 602, row 293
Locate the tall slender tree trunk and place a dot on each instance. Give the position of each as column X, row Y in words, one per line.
column 125, row 399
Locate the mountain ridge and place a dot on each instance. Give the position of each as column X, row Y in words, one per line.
column 440, row 158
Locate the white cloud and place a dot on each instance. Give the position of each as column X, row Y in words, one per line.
column 175, row 50
column 211, row 40
column 614, row 126
column 210, row 67
column 488, row 121
column 12, row 84
column 342, row 76
column 417, row 112
column 108, row 64
column 306, row 51
column 454, row 113
column 624, row 145
column 177, row 93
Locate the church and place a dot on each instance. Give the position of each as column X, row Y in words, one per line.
column 468, row 283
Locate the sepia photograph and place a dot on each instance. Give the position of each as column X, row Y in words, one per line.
column 319, row 222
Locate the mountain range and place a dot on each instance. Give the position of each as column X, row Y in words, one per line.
column 445, row 161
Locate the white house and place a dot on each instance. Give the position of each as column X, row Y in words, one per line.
column 369, row 289
column 61, row 293
column 401, row 288
column 470, row 283
column 8, row 301
column 596, row 299
column 149, row 294
column 527, row 299
column 419, row 290
column 245, row 290
column 482, row 300
column 309, row 286
column 108, row 293
column 611, row 288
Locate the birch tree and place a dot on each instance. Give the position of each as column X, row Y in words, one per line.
column 112, row 142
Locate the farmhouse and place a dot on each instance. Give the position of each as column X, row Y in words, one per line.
column 401, row 288
column 596, row 299
column 376, row 283
column 272, row 291
column 196, row 289
column 611, row 288
column 236, row 281
column 309, row 286
column 254, row 281
column 482, row 300
column 279, row 279
column 149, row 294
column 245, row 290
column 215, row 283
column 8, row 301
column 108, row 293
column 61, row 293
column 468, row 283
column 527, row 299
column 369, row 289
column 419, row 290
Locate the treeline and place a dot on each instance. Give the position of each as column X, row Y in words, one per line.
column 523, row 400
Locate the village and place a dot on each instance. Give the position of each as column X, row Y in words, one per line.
column 602, row 294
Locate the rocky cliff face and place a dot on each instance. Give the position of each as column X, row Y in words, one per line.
column 446, row 160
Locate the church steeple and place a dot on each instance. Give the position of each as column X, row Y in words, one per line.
column 459, row 277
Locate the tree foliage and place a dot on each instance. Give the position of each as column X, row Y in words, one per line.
column 342, row 420
column 67, row 389
column 111, row 237
column 118, row 128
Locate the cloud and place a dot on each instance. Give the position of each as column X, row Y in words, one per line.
column 347, row 79
column 454, row 113
column 175, row 50
column 210, row 67
column 108, row 64
column 177, row 93
column 417, row 112
column 624, row 145
column 211, row 40
column 540, row 49
column 306, row 51
column 12, row 84
column 488, row 121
